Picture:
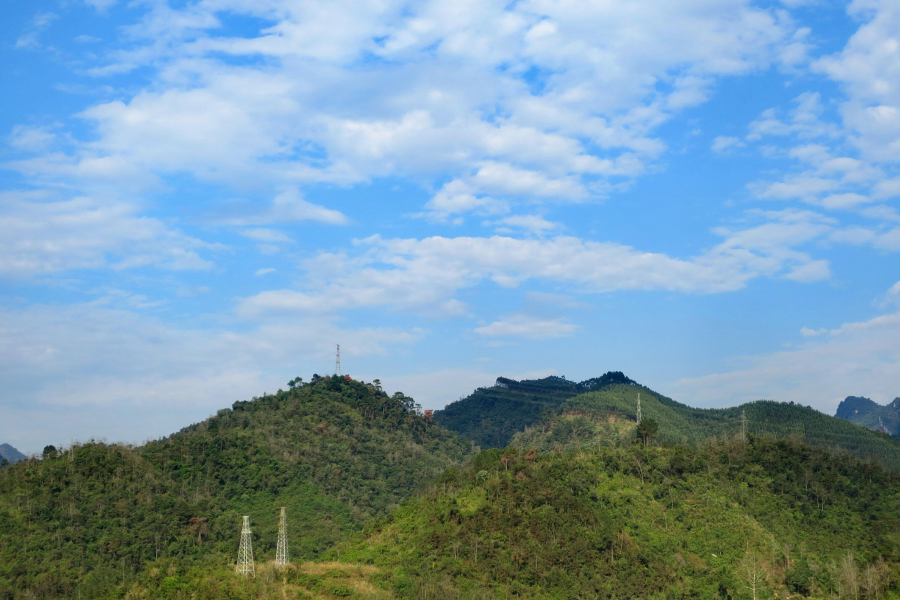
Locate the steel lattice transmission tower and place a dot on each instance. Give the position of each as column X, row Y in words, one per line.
column 282, row 558
column 639, row 418
column 743, row 425
column 245, row 564
column 337, row 362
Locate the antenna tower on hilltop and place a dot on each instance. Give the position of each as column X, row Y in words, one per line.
column 639, row 409
column 245, row 564
column 281, row 552
column 337, row 362
column 743, row 425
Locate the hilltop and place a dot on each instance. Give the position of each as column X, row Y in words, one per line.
column 335, row 452
column 866, row 413
column 10, row 454
column 561, row 414
column 623, row 521
column 490, row 416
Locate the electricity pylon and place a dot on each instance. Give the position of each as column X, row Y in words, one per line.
column 639, row 409
column 337, row 362
column 281, row 552
column 245, row 564
column 743, row 425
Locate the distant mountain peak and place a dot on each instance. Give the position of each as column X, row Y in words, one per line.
column 10, row 454
column 867, row 413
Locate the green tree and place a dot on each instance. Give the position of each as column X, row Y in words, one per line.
column 647, row 430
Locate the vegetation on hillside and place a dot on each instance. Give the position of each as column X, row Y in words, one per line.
column 727, row 519
column 490, row 416
column 84, row 522
column 590, row 419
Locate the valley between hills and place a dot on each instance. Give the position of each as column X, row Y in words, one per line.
column 527, row 489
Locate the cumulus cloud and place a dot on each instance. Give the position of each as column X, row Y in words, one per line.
column 534, row 101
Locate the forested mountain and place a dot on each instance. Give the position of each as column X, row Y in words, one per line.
column 336, row 453
column 10, row 454
column 490, row 416
column 759, row 518
column 598, row 418
column 867, row 413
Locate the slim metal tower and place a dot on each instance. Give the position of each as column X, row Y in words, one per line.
column 639, row 409
column 281, row 552
column 245, row 564
column 337, row 362
column 743, row 425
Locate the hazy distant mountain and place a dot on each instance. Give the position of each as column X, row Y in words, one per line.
column 10, row 454
column 867, row 413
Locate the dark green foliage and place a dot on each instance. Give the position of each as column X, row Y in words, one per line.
column 647, row 429
column 335, row 453
column 629, row 522
column 799, row 579
column 866, row 413
column 491, row 416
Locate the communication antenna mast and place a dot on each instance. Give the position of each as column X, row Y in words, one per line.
column 245, row 564
column 337, row 362
column 639, row 409
column 743, row 425
column 281, row 552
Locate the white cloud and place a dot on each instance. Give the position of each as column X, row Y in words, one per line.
column 266, row 271
column 288, row 206
column 854, row 359
column 535, row 224
column 425, row 274
column 42, row 234
column 449, row 98
column 527, row 326
column 261, row 234
column 722, row 143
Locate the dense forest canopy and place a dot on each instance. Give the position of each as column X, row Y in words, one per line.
column 87, row 519
column 730, row 518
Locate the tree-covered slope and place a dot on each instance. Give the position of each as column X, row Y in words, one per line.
column 335, row 453
column 490, row 416
column 866, row 413
column 711, row 521
column 584, row 421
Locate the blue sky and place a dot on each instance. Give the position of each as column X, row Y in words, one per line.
column 199, row 199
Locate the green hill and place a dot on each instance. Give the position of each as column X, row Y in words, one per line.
column 621, row 521
column 866, row 413
column 336, row 453
column 491, row 416
column 585, row 420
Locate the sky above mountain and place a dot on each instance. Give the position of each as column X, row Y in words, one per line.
column 200, row 199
